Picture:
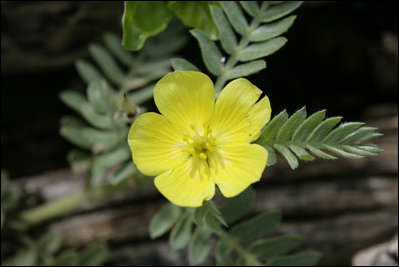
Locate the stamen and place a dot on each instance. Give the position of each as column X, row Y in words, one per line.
column 208, row 146
column 188, row 140
column 203, row 156
column 189, row 151
column 194, row 129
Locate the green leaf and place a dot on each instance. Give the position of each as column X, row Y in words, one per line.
column 74, row 135
column 319, row 152
column 280, row 10
column 200, row 246
column 251, row 7
column 226, row 34
column 271, row 129
column 99, row 140
column 256, row 227
column 49, row 243
column 214, row 217
column 181, row 233
column 271, row 30
column 306, row 258
column 368, row 136
column 323, row 129
column 95, row 119
column 196, row 14
column 94, row 255
column 77, row 101
column 87, row 71
column 272, row 158
column 342, row 153
column 341, row 131
column 164, row 219
column 114, row 44
column 199, row 215
column 358, row 151
column 266, row 248
column 172, row 35
column 260, row 50
column 107, row 63
column 67, row 258
column 236, row 207
column 370, row 148
column 124, row 172
column 22, row 258
column 305, row 129
column 289, row 127
column 301, row 153
column 183, row 64
column 210, row 53
column 223, row 254
column 142, row 95
column 291, row 159
column 142, row 19
column 109, row 159
column 73, row 99
column 245, row 69
column 235, row 16
column 99, row 94
column 356, row 135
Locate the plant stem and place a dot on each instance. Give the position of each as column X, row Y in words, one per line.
column 251, row 260
column 232, row 61
column 70, row 203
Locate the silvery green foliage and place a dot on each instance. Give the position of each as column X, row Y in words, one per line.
column 258, row 38
column 46, row 250
column 118, row 81
column 247, row 242
column 294, row 137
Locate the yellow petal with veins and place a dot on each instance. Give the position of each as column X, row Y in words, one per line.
column 230, row 121
column 155, row 143
column 258, row 116
column 242, row 165
column 187, row 185
column 186, row 98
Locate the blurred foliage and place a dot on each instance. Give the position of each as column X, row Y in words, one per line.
column 243, row 243
column 138, row 25
column 9, row 196
column 112, row 101
column 45, row 250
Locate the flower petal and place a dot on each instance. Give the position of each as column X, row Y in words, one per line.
column 258, row 116
column 155, row 143
column 186, row 185
column 242, row 165
column 230, row 119
column 185, row 98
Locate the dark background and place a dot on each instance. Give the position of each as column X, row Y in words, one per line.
column 340, row 56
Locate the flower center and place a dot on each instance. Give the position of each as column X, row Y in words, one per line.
column 199, row 144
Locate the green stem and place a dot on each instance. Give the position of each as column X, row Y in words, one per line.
column 70, row 203
column 233, row 60
column 251, row 259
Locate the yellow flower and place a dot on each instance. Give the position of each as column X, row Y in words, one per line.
column 197, row 143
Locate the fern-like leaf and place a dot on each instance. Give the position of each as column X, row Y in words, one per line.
column 298, row 137
column 107, row 110
column 260, row 37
